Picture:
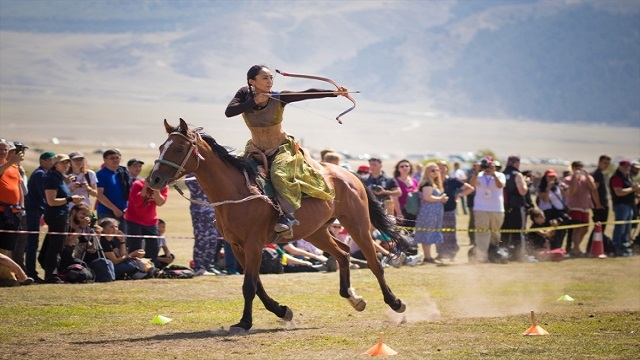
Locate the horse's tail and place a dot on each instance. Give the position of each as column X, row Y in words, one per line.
column 380, row 221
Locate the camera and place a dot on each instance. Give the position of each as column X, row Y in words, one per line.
column 376, row 188
column 93, row 221
column 484, row 164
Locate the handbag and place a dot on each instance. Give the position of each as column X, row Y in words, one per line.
column 102, row 267
column 412, row 206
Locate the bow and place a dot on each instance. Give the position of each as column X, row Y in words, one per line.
column 313, row 77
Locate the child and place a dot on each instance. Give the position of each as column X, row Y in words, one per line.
column 167, row 258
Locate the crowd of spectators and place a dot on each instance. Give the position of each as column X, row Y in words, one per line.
column 113, row 210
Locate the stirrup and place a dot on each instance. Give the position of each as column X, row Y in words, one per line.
column 286, row 223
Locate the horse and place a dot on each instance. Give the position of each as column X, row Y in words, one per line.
column 245, row 217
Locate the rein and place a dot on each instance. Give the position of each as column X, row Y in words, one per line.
column 180, row 171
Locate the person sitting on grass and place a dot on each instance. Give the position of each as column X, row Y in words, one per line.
column 115, row 249
column 11, row 274
column 538, row 242
column 166, row 258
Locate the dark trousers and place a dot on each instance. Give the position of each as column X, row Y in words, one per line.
column 598, row 215
column 33, row 240
column 150, row 244
column 55, row 243
column 514, row 219
column 472, row 225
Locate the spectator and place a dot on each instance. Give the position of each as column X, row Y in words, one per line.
column 363, row 171
column 298, row 260
column 114, row 246
column 134, row 166
column 455, row 189
column 167, row 257
column 600, row 213
column 204, row 231
column 11, row 196
column 382, row 186
column 83, row 181
column 417, row 172
column 406, row 184
column 623, row 192
column 579, row 202
column 113, row 188
column 552, row 203
column 76, row 245
column 475, row 169
column 56, row 215
column 488, row 207
column 11, row 274
column 331, row 158
column 34, row 202
column 18, row 251
column 514, row 192
column 142, row 217
column 538, row 242
column 429, row 220
column 458, row 173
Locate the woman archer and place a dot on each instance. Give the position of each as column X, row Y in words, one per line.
column 262, row 111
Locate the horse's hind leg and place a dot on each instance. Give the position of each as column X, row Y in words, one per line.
column 362, row 237
column 323, row 240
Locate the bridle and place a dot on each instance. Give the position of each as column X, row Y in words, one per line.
column 180, row 169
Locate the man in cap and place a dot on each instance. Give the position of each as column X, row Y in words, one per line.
column 11, row 195
column 134, row 166
column 623, row 196
column 34, row 202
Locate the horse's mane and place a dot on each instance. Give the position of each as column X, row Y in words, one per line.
column 240, row 163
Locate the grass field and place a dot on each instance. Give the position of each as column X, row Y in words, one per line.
column 458, row 311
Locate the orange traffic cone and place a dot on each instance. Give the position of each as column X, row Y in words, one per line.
column 380, row 349
column 535, row 329
column 597, row 246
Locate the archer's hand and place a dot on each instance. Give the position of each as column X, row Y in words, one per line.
column 261, row 99
column 342, row 91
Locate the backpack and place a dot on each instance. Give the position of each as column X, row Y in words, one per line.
column 271, row 262
column 77, row 273
column 102, row 267
column 176, row 272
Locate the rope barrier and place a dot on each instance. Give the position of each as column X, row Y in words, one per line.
column 561, row 227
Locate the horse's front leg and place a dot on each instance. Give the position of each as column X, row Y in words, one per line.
column 250, row 261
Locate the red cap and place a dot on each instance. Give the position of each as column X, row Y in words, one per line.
column 624, row 162
column 550, row 172
column 364, row 168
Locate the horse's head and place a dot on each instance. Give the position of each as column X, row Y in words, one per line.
column 178, row 156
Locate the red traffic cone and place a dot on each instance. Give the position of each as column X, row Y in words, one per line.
column 597, row 246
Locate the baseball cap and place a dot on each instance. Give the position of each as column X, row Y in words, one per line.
column 364, row 168
column 133, row 161
column 635, row 164
column 624, row 162
column 76, row 155
column 47, row 155
column 375, row 158
column 20, row 143
column 10, row 144
column 60, row 157
column 550, row 172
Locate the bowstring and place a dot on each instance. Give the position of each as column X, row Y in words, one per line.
column 300, row 108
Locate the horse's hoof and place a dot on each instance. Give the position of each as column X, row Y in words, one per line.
column 237, row 330
column 358, row 303
column 288, row 315
column 402, row 307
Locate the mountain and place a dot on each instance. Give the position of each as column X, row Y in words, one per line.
column 557, row 61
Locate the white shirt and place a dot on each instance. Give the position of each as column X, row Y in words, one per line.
column 488, row 196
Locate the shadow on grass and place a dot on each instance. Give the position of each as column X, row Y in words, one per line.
column 207, row 334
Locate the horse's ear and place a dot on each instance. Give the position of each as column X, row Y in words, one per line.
column 168, row 127
column 184, row 126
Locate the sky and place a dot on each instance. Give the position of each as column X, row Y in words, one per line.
column 110, row 71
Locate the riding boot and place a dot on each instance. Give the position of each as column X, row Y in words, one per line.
column 285, row 222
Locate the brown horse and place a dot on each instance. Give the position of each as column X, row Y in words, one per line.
column 246, row 218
